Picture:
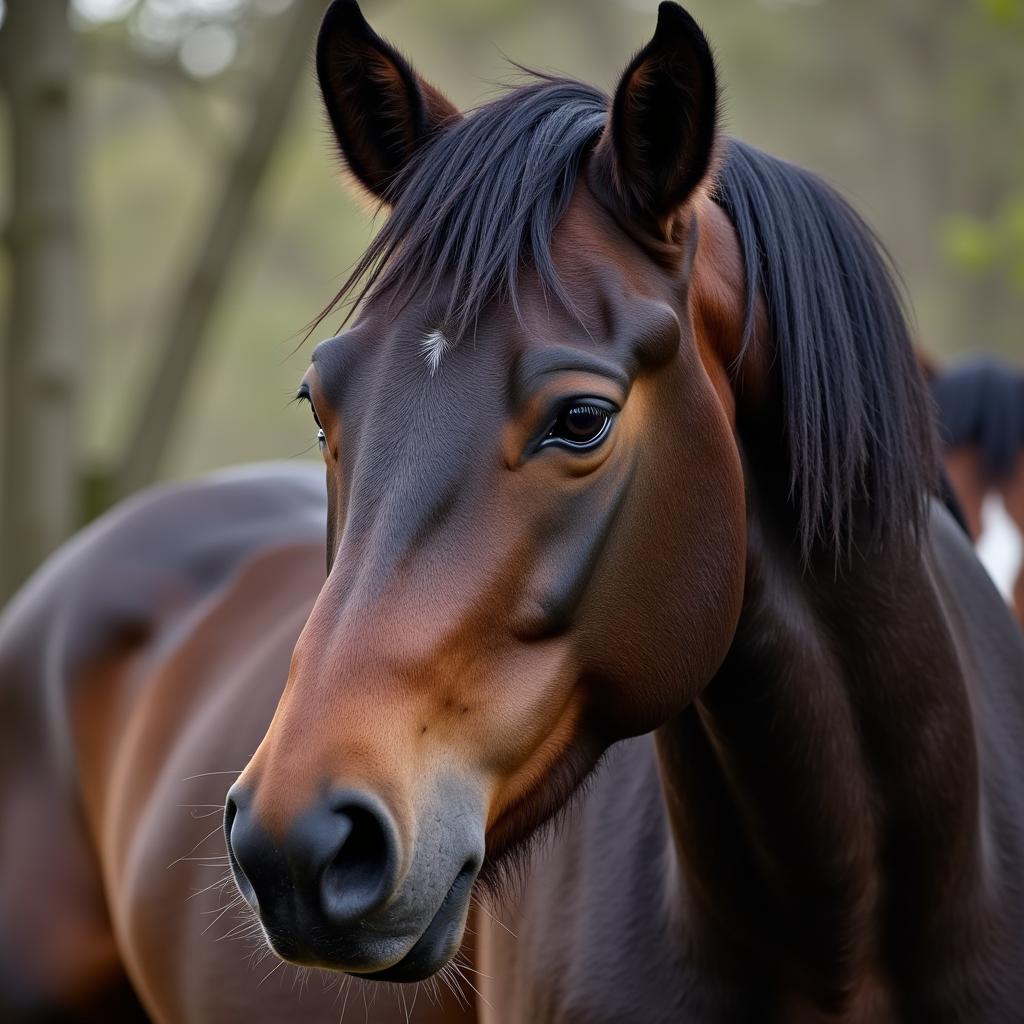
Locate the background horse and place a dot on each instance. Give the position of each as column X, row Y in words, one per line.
column 981, row 415
column 139, row 669
column 627, row 457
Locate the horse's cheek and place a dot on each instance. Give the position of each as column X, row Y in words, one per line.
column 674, row 569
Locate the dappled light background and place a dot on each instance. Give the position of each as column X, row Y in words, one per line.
column 915, row 110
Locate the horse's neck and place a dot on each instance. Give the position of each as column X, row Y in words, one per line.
column 823, row 792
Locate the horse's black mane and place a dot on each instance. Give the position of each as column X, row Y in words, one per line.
column 856, row 409
column 981, row 402
column 485, row 196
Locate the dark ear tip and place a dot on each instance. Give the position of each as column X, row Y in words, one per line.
column 669, row 12
column 673, row 18
column 345, row 16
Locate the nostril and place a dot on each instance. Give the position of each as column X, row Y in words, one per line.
column 360, row 875
column 361, row 855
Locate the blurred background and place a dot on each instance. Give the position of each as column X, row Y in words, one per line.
column 172, row 212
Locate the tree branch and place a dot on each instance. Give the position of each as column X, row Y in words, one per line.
column 216, row 251
column 45, row 336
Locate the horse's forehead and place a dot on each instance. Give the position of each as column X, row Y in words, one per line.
column 418, row 347
column 596, row 266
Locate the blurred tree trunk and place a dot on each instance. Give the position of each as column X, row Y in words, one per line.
column 39, row 494
column 217, row 249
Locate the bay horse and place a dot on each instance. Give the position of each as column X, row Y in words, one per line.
column 632, row 543
column 980, row 403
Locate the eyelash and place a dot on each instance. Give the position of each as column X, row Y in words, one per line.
column 303, row 395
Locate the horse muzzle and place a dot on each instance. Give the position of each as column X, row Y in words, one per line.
column 335, row 890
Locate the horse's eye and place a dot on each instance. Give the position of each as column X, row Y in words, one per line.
column 303, row 395
column 581, row 425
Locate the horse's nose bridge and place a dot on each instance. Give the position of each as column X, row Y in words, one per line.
column 418, row 563
column 411, row 627
column 382, row 670
column 358, row 688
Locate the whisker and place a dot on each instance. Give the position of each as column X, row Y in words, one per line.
column 458, row 971
column 213, row 885
column 345, row 987
column 466, row 966
column 209, row 835
column 431, row 989
column 232, row 903
column 196, row 815
column 273, row 970
column 230, row 906
column 480, row 905
column 453, row 985
column 243, row 928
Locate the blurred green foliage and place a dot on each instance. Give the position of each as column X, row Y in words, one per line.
column 990, row 248
column 1005, row 12
column 993, row 247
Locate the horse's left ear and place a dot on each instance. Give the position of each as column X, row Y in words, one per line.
column 658, row 144
column 381, row 111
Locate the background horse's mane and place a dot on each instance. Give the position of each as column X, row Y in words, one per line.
column 981, row 402
column 485, row 195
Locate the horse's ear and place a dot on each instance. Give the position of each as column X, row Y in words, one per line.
column 658, row 144
column 380, row 109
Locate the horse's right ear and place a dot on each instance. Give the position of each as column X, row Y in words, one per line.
column 660, row 137
column 381, row 111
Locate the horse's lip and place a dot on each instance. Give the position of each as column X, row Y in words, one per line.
column 437, row 943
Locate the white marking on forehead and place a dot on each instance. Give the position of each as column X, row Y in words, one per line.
column 434, row 346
